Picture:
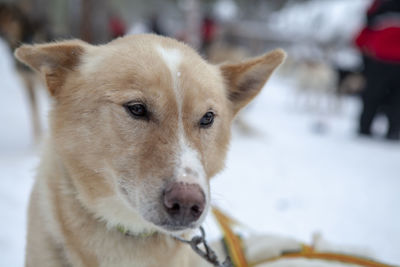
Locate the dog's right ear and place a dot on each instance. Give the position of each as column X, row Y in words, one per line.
column 53, row 61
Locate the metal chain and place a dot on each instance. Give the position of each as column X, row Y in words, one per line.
column 208, row 254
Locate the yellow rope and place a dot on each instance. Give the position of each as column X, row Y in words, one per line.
column 310, row 253
column 235, row 250
column 233, row 242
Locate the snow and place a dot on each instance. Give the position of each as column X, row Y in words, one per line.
column 285, row 180
column 295, row 182
column 17, row 162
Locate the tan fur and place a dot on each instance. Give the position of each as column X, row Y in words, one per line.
column 102, row 168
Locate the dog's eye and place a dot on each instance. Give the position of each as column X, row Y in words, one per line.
column 137, row 110
column 207, row 120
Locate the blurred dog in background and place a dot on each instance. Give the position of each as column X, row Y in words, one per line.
column 16, row 27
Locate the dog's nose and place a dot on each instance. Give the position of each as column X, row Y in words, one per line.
column 184, row 202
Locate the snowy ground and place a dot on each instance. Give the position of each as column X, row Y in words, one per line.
column 286, row 180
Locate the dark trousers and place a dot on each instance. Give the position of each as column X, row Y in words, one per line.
column 382, row 93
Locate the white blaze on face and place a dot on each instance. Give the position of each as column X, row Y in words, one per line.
column 188, row 168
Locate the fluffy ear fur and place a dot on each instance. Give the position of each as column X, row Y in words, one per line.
column 53, row 61
column 245, row 80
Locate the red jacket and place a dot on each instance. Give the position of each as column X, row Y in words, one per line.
column 381, row 37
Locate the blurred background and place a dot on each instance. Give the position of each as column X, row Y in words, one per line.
column 316, row 154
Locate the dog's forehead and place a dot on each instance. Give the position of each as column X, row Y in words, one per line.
column 151, row 60
column 172, row 57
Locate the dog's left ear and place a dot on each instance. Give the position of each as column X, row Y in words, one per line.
column 246, row 79
column 54, row 61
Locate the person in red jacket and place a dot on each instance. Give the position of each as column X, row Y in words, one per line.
column 379, row 43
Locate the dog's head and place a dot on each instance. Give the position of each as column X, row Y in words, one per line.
column 141, row 124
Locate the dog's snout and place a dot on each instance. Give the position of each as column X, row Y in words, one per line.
column 184, row 202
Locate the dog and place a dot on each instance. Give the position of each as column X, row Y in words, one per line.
column 17, row 28
column 137, row 129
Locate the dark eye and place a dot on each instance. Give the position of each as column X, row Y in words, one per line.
column 207, row 120
column 137, row 110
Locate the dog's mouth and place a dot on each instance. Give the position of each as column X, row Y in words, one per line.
column 170, row 225
column 177, row 228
